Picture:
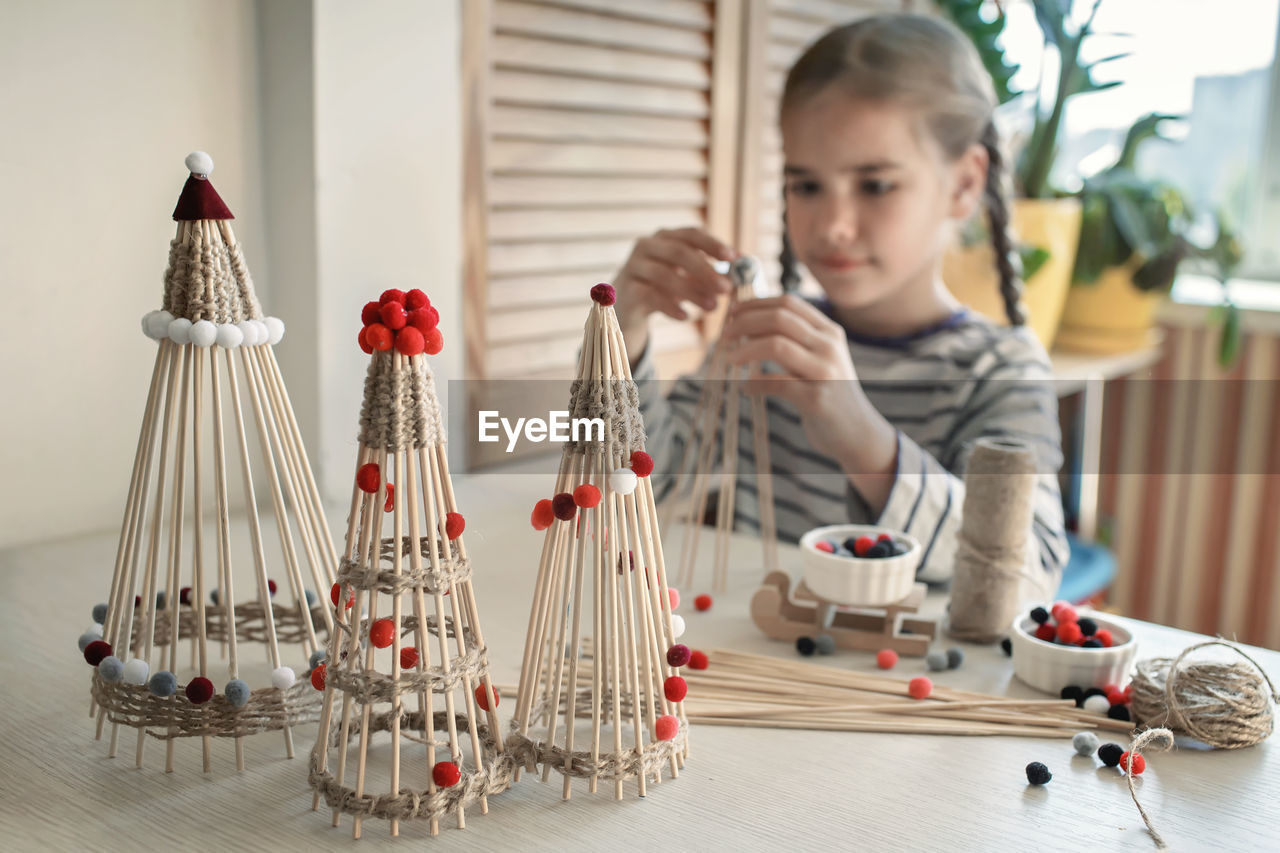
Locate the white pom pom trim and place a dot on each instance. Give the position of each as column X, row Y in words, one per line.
column 229, row 336
column 623, row 481
column 283, row 678
column 199, row 163
column 159, row 325
column 180, row 330
column 275, row 330
column 677, row 625
column 136, row 671
column 203, row 333
column 262, row 332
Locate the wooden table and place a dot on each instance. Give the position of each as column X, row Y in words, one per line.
column 742, row 789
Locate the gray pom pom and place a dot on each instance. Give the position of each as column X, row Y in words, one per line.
column 100, row 614
column 213, row 595
column 111, row 669
column 955, row 657
column 936, row 660
column 317, row 657
column 237, row 693
column 86, row 638
column 311, row 598
column 163, row 683
column 1085, row 743
column 826, row 644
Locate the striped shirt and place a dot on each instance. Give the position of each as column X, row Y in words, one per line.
column 942, row 389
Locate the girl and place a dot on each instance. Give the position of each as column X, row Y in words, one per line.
column 888, row 140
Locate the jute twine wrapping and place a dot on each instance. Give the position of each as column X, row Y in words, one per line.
column 400, row 410
column 168, row 717
column 209, row 280
column 614, row 401
column 1162, row 739
column 251, row 624
column 992, row 544
column 449, row 570
column 1223, row 705
column 494, row 776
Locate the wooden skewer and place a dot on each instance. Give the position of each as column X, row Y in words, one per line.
column 177, row 519
column 426, row 701
column 224, row 542
column 359, row 631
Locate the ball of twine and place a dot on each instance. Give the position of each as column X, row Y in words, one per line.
column 1224, row 705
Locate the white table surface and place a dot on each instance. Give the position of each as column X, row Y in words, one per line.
column 742, row 789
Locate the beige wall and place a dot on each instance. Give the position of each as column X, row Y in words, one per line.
column 334, row 129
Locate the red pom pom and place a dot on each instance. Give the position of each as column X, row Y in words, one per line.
column 1128, row 693
column 563, row 506
column 702, row 602
column 371, row 313
column 666, row 727
column 1139, row 764
column 409, row 341
column 884, row 537
column 337, row 590
column 1045, row 632
column 378, row 336
column 919, row 687
column 543, row 514
column 862, row 545
column 391, row 295
column 586, row 496
column 1115, row 696
column 96, row 651
column 382, row 633
column 369, row 477
column 415, row 299
column 424, row 319
column 676, row 688
column 1062, row 611
column 454, row 524
column 1069, row 632
column 184, row 595
column 363, row 340
column 1102, row 635
column 886, row 658
column 824, row 546
column 604, row 294
column 446, row 774
column 698, row 660
column 271, row 586
column 390, row 503
column 317, row 676
column 393, row 315
column 434, row 341
column 641, row 463
column 408, row 657
column 679, row 655
column 199, row 690
column 673, row 595
column 483, row 700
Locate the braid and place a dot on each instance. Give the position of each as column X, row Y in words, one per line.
column 787, row 257
column 1008, row 262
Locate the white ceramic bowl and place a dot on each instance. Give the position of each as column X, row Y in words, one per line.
column 1051, row 667
column 858, row 581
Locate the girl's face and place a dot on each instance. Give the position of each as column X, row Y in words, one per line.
column 870, row 197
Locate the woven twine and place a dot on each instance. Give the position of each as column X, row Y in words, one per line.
column 583, row 763
column 400, row 410
column 451, row 569
column 1162, row 739
column 991, row 546
column 494, row 775
column 209, row 280
column 251, row 624
column 614, row 401
column 1221, row 704
column 168, row 717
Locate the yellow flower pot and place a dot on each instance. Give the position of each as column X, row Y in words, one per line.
column 1109, row 315
column 1052, row 224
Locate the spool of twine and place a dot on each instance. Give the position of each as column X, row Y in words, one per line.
column 1224, row 705
column 992, row 544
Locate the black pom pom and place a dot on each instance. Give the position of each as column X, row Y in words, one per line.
column 1119, row 712
column 1039, row 615
column 806, row 646
column 1110, row 753
column 1038, row 774
column 1073, row 692
column 1006, row 646
column 1091, row 643
column 880, row 550
column 1087, row 626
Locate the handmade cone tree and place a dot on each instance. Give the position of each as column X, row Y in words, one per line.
column 600, row 691
column 217, row 421
column 407, row 657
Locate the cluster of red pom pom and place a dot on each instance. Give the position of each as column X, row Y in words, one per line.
column 1063, row 626
column 402, row 320
column 564, row 506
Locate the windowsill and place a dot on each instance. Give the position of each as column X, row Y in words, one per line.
column 1248, row 294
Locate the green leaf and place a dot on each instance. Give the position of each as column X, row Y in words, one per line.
column 1229, row 340
column 1033, row 258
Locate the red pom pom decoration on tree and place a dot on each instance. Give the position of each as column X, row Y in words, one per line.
column 337, row 590
column 454, row 524
column 586, row 496
column 434, row 341
column 483, row 700
column 641, row 463
column 371, row 313
column 415, row 299
column 702, row 602
column 391, row 498
column 675, row 688
column 886, row 658
column 604, row 294
column 382, row 633
column 678, row 655
column 424, row 319
column 96, row 651
column 698, row 660
column 563, row 506
column 409, row 341
column 369, row 478
column 378, row 336
column 543, row 514
column 391, row 295
column 919, row 687
column 393, row 316
column 363, row 340
column 445, row 774
column 408, row 657
column 666, row 727
column 317, row 676
column 199, row 690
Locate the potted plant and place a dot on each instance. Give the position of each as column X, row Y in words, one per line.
column 1046, row 221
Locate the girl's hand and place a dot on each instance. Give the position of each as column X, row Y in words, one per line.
column 665, row 269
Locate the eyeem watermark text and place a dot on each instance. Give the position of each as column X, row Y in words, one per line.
column 558, row 427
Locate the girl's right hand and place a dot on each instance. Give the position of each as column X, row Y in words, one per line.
column 665, row 269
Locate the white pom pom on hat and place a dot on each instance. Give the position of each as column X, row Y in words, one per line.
column 199, row 163
column 229, row 336
column 203, row 333
column 180, row 330
column 249, row 331
column 158, row 324
column 275, row 330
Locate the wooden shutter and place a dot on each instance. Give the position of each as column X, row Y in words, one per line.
column 589, row 123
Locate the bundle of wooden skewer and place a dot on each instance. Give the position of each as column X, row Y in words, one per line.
column 740, row 689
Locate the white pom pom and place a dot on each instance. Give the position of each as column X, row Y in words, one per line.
column 199, row 163
column 275, row 330
column 264, row 334
column 94, row 628
column 283, row 678
column 1097, row 704
column 136, row 671
column 203, row 333
column 180, row 330
column 623, row 481
column 146, row 323
column 249, row 331
column 677, row 625
column 158, row 324
column 229, row 336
